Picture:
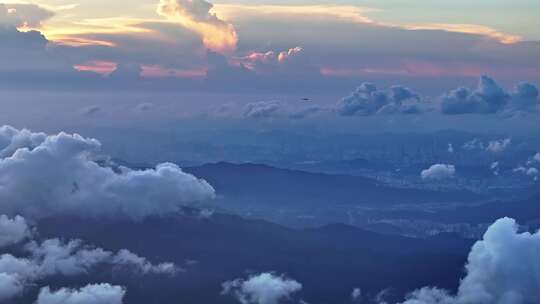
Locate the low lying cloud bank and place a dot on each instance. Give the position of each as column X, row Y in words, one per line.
column 265, row 288
column 501, row 268
column 55, row 257
column 368, row 100
column 490, row 98
column 44, row 175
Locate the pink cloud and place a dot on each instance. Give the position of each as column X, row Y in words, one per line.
column 97, row 66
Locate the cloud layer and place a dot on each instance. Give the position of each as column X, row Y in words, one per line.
column 53, row 257
column 489, row 98
column 60, row 174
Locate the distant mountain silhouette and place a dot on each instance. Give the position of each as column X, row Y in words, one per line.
column 329, row 261
column 262, row 184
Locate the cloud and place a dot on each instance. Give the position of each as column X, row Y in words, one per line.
column 265, row 288
column 90, row 294
column 10, row 286
column 494, row 146
column 536, row 157
column 528, row 171
column 23, row 15
column 196, row 15
column 368, row 100
column 498, row 146
column 269, row 62
column 495, row 168
column 525, row 97
column 53, row 257
column 501, row 268
column 356, row 295
column 46, row 175
column 490, row 98
column 13, row 230
column 262, row 109
column 91, row 111
column 439, row 172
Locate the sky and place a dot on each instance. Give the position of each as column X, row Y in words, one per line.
column 265, row 58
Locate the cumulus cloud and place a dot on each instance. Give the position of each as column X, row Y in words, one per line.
column 54, row 257
column 265, row 288
column 501, row 268
column 23, row 15
column 262, row 109
column 90, row 294
column 528, row 171
column 268, row 61
column 489, row 98
column 368, row 100
column 498, row 146
column 197, row 15
column 439, row 172
column 10, row 286
column 13, row 230
column 525, row 97
column 46, row 175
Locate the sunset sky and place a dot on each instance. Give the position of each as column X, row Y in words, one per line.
column 247, row 51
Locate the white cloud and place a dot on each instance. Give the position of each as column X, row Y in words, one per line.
column 498, row 146
column 10, row 286
column 501, row 268
column 13, row 230
column 90, row 294
column 439, row 172
column 58, row 174
column 72, row 258
column 265, row 288
column 55, row 257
